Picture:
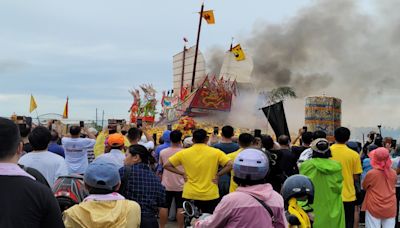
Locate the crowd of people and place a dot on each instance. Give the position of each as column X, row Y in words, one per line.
column 249, row 180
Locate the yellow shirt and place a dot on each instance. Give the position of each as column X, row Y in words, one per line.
column 233, row 186
column 351, row 165
column 201, row 165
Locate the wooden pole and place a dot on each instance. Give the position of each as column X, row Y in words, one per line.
column 197, row 47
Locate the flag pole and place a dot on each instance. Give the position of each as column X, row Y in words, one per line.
column 197, row 47
column 37, row 116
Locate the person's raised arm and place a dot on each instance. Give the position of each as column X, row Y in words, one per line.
column 146, row 133
column 301, row 131
column 88, row 133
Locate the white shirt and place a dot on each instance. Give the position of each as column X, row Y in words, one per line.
column 49, row 164
column 116, row 156
column 76, row 153
column 149, row 144
column 304, row 156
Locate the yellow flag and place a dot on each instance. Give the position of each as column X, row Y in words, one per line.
column 33, row 104
column 238, row 52
column 208, row 15
column 65, row 114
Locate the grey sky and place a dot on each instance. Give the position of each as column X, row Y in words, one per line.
column 94, row 51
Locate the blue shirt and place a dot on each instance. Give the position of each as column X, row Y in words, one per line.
column 227, row 148
column 145, row 188
column 161, row 147
column 57, row 149
column 366, row 166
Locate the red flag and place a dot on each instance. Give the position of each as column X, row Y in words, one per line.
column 184, row 92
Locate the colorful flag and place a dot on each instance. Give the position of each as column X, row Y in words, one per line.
column 208, row 15
column 65, row 113
column 238, row 52
column 33, row 104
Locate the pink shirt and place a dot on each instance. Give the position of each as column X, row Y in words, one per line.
column 240, row 209
column 171, row 181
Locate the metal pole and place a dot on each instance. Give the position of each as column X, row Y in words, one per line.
column 363, row 138
column 197, row 48
column 102, row 120
column 96, row 118
column 37, row 116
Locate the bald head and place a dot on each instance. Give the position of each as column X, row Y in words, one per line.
column 283, row 140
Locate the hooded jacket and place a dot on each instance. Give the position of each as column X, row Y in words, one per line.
column 326, row 176
column 110, row 214
column 240, row 209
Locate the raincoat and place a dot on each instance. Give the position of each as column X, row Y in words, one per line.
column 104, row 212
column 326, row 176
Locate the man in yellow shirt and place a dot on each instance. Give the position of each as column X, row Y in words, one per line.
column 200, row 163
column 351, row 170
column 245, row 141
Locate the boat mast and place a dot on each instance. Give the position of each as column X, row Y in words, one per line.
column 183, row 66
column 197, row 48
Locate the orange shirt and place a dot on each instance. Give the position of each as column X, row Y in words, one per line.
column 380, row 198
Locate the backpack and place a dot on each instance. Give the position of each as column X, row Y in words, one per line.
column 276, row 175
column 69, row 190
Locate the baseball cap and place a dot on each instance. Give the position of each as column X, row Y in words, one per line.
column 116, row 139
column 320, row 145
column 102, row 174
